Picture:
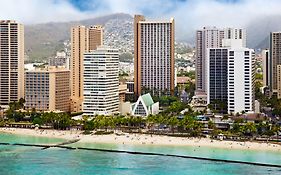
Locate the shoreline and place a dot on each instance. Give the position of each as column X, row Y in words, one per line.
column 143, row 139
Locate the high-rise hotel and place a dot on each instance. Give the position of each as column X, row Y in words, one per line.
column 83, row 40
column 230, row 76
column 266, row 68
column 47, row 89
column 11, row 61
column 211, row 37
column 275, row 61
column 101, row 82
column 154, row 55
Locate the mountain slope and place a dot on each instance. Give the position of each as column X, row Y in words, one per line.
column 43, row 40
column 258, row 31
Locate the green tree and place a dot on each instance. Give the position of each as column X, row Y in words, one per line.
column 249, row 129
column 172, row 122
column 37, row 120
column 126, row 57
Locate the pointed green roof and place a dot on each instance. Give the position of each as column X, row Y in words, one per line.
column 147, row 99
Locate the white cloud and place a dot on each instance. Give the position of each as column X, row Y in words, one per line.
column 189, row 15
column 39, row 11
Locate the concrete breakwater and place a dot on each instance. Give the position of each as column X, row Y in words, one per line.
column 63, row 145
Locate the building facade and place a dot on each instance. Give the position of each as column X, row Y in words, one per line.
column 83, row 40
column 208, row 37
column 154, row 56
column 278, row 90
column 130, row 91
column 47, row 89
column 101, row 82
column 275, row 58
column 216, row 78
column 241, row 79
column 122, row 92
column 61, row 59
column 95, row 36
column 11, row 61
column 266, row 68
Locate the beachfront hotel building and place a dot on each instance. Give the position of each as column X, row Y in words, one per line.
column 47, row 89
column 11, row 61
column 216, row 76
column 230, row 76
column 211, row 37
column 154, row 55
column 101, row 82
column 83, row 40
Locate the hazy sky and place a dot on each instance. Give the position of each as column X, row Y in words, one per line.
column 189, row 14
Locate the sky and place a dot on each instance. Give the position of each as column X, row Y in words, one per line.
column 189, row 14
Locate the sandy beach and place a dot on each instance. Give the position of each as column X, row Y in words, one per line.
column 143, row 139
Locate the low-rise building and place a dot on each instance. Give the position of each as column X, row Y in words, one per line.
column 145, row 106
column 199, row 101
column 182, row 82
column 47, row 89
column 122, row 92
column 130, row 95
column 61, row 59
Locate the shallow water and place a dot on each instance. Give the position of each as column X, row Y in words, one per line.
column 32, row 160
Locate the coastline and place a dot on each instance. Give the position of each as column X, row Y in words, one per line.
column 143, row 139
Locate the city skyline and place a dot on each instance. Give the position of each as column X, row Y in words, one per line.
column 129, row 92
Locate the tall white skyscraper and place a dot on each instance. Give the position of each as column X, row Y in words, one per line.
column 230, row 76
column 211, row 37
column 11, row 61
column 101, row 83
column 241, row 77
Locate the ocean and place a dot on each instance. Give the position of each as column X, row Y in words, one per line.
column 33, row 160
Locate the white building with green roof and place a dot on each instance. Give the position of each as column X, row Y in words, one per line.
column 145, row 106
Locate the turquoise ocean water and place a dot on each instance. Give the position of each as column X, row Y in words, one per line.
column 32, row 160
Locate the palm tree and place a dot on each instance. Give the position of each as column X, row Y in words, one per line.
column 150, row 121
column 211, row 125
column 225, row 117
column 249, row 129
column 173, row 121
column 21, row 103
